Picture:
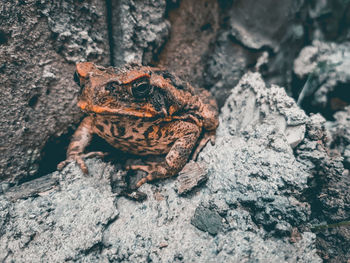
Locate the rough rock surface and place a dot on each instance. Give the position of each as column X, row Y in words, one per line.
column 60, row 225
column 194, row 25
column 325, row 66
column 139, row 29
column 329, row 19
column 339, row 131
column 250, row 30
column 39, row 43
column 329, row 192
column 248, row 209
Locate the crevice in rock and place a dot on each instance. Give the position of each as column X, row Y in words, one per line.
column 52, row 153
column 33, row 100
column 3, row 37
column 337, row 100
column 109, row 9
column 96, row 248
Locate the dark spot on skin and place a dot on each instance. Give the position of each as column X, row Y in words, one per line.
column 166, row 133
column 105, row 122
column 134, row 130
column 140, row 125
column 76, row 138
column 171, row 133
column 74, row 149
column 140, row 139
column 100, row 128
column 182, row 151
column 155, row 174
column 129, row 138
column 170, row 144
column 121, row 131
column 116, row 123
column 113, row 130
column 159, row 133
column 148, row 131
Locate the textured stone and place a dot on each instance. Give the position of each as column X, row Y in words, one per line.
column 191, row 176
column 329, row 192
column 339, row 131
column 63, row 225
column 206, row 220
column 251, row 31
column 194, row 26
column 40, row 41
column 330, row 19
column 139, row 29
column 325, row 67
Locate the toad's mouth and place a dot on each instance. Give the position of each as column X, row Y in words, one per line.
column 146, row 112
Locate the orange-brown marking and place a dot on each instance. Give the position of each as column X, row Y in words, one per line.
column 133, row 75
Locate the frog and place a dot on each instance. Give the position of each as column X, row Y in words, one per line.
column 144, row 111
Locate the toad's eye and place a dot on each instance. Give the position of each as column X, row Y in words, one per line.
column 141, row 89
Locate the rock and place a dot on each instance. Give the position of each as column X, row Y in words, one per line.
column 192, row 175
column 339, row 131
column 329, row 191
column 325, row 66
column 63, row 225
column 39, row 186
column 249, row 207
column 39, row 43
column 186, row 51
column 248, row 23
column 225, row 66
column 207, row 220
column 139, row 30
column 329, row 19
column 247, row 35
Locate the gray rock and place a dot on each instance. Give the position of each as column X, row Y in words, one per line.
column 247, row 35
column 329, row 19
column 251, row 200
column 226, row 65
column 325, row 66
column 191, row 176
column 329, row 192
column 339, row 131
column 40, row 40
column 139, row 30
column 62, row 225
column 207, row 220
column 194, row 27
column 250, row 26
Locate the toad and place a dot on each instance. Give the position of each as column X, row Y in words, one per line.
column 142, row 110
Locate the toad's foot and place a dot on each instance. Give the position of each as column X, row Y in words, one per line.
column 154, row 171
column 79, row 159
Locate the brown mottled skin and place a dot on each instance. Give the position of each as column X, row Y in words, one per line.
column 144, row 111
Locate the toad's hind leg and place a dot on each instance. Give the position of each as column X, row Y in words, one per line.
column 174, row 161
column 81, row 138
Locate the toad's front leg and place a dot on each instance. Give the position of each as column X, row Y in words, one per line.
column 81, row 139
column 174, row 161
